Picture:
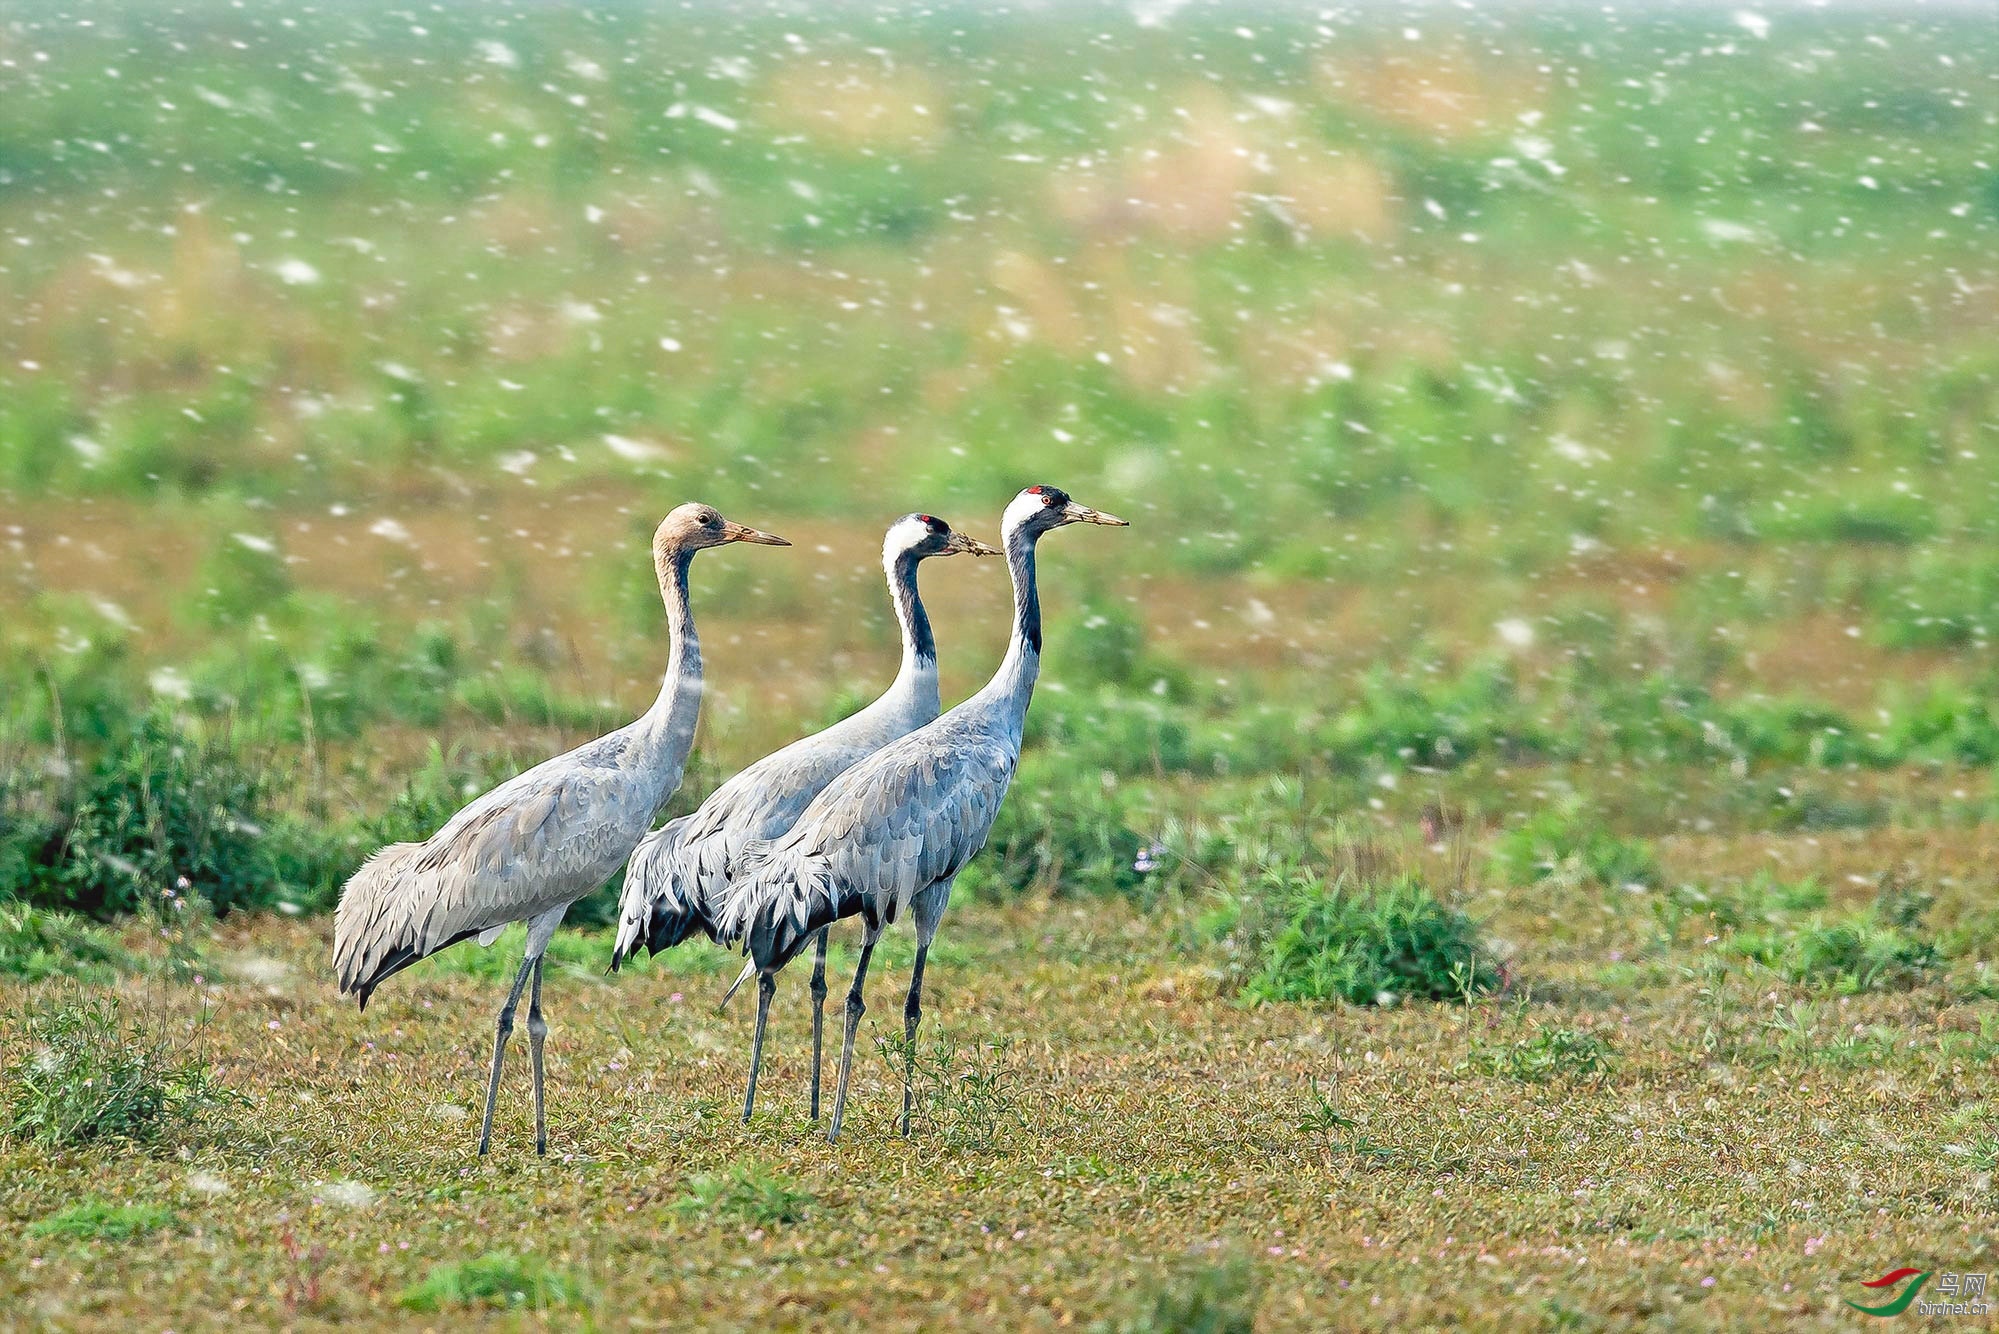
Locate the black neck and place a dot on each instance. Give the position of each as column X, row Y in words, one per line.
column 916, row 636
column 1026, row 598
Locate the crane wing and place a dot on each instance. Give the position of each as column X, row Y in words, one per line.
column 537, row 841
column 677, row 877
column 906, row 818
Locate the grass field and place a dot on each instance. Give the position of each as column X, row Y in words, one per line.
column 1506, row 837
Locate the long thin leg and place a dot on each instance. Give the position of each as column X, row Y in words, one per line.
column 912, row 1013
column 818, row 1013
column 856, row 1007
column 766, row 984
column 500, row 1032
column 537, row 1030
column 926, row 910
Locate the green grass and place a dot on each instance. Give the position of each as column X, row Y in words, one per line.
column 36, row 944
column 1363, row 940
column 497, row 1278
column 1158, row 1134
column 100, row 1220
column 1548, row 1055
column 86, row 1072
column 1197, row 1296
column 746, row 1194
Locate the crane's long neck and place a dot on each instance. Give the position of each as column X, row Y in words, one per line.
column 1013, row 684
column 918, row 675
column 668, row 726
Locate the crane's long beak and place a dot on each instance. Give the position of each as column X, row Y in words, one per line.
column 736, row 532
column 971, row 545
column 1075, row 513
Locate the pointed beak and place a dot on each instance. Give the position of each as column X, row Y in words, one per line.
column 736, row 532
column 1075, row 513
column 971, row 545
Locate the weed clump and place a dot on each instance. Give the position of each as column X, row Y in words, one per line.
column 1065, row 835
column 1550, row 1054
column 100, row 1220
column 1847, row 956
column 963, row 1094
column 88, row 1074
column 37, row 944
column 158, row 815
column 1562, row 842
column 1365, row 941
column 1198, row 1296
column 497, row 1278
column 1881, row 949
column 747, row 1193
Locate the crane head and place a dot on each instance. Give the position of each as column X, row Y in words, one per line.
column 923, row 535
column 693, row 526
column 1040, row 508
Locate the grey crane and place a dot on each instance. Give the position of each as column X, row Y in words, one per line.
column 541, row 840
column 891, row 834
column 676, row 878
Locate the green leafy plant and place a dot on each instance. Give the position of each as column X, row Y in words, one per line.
column 1199, row 1295
column 1881, row 949
column 747, row 1193
column 100, row 1220
column 166, row 814
column 37, row 944
column 88, row 1073
column 1564, row 841
column 1366, row 942
column 963, row 1094
column 1548, row 1054
column 1342, row 1132
column 1060, row 833
column 497, row 1278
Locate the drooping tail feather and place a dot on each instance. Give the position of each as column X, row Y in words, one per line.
column 661, row 904
column 379, row 928
column 779, row 898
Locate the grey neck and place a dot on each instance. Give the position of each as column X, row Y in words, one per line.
column 669, row 723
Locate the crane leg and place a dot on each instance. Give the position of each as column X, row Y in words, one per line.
column 537, row 1030
column 912, row 1014
column 856, row 1007
column 818, row 1014
column 500, row 1032
column 927, row 910
column 766, row 984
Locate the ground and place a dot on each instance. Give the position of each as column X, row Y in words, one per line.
column 1748, row 1155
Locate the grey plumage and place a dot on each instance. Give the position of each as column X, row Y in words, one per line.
column 538, row 842
column 675, row 880
column 893, row 831
column 677, row 877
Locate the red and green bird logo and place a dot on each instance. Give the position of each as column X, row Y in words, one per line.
column 1899, row 1303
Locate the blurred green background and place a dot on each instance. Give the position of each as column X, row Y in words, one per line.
column 1512, row 408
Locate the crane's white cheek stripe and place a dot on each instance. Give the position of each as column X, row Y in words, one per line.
column 1019, row 511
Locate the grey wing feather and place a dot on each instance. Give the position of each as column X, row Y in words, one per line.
column 538, row 841
column 908, row 817
column 677, row 878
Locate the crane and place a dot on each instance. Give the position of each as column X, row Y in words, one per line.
column 676, row 878
column 891, row 834
column 540, row 841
